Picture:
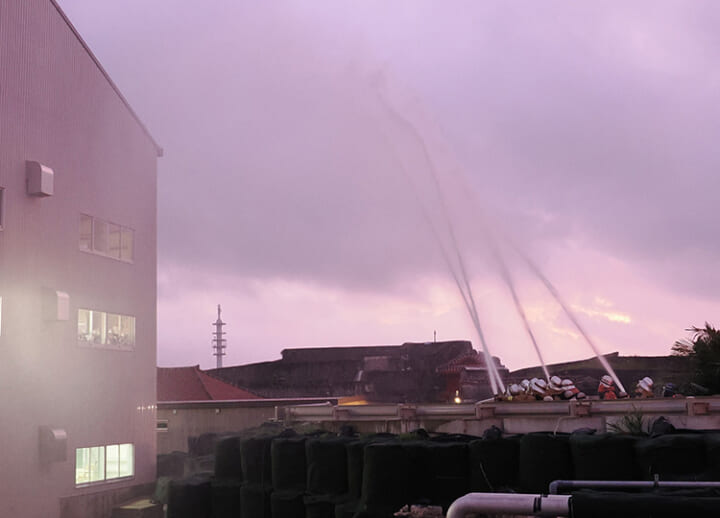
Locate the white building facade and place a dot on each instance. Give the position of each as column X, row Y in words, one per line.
column 77, row 275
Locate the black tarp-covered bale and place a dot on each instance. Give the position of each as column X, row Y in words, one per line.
column 448, row 472
column 494, row 464
column 255, row 501
column 190, row 497
column 320, row 506
column 604, row 457
column 712, row 452
column 605, row 504
column 228, row 461
column 543, row 457
column 225, row 498
column 287, row 504
column 355, row 451
column 203, row 444
column 419, row 471
column 288, row 464
column 171, row 464
column 327, row 466
column 385, row 479
column 255, row 454
column 672, row 457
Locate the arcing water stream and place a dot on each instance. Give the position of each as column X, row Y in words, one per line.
column 459, row 270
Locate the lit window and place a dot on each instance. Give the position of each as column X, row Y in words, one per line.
column 105, row 238
column 99, row 463
column 107, row 330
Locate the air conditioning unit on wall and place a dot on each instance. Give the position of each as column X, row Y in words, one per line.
column 40, row 179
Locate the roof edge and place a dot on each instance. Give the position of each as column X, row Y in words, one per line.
column 158, row 148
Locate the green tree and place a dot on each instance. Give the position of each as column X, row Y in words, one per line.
column 704, row 350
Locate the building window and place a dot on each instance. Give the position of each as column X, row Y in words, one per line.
column 106, row 330
column 2, row 208
column 104, row 463
column 108, row 239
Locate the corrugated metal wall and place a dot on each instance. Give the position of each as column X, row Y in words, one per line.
column 58, row 108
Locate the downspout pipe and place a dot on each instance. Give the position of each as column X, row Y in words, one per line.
column 557, row 485
column 510, row 503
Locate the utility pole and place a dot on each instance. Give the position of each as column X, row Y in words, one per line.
column 219, row 343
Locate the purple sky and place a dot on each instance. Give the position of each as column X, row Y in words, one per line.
column 288, row 193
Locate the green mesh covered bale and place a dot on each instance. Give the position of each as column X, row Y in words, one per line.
column 449, row 472
column 327, row 466
column 225, row 497
column 604, row 457
column 615, row 504
column 287, row 504
column 355, row 455
column 171, row 464
column 385, row 477
column 255, row 501
column 288, row 464
column 420, row 475
column 256, row 460
column 190, row 497
column 228, row 463
column 543, row 457
column 494, row 464
column 673, row 457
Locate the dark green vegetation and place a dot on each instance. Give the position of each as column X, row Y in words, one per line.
column 703, row 350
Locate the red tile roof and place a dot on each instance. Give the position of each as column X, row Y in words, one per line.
column 192, row 384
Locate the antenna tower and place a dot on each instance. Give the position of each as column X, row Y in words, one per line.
column 219, row 343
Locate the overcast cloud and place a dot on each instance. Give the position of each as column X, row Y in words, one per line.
column 290, row 194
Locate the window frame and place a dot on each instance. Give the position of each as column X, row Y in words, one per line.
column 104, row 479
column 99, row 234
column 98, row 335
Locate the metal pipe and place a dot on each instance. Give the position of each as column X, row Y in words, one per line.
column 510, row 503
column 555, row 485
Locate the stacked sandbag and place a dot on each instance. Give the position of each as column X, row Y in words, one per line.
column 494, row 464
column 171, row 465
column 603, row 504
column 288, row 465
column 712, row 452
column 449, row 472
column 672, row 457
column 604, row 456
column 288, row 477
column 256, row 462
column 327, row 475
column 419, row 471
column 355, row 453
column 225, row 501
column 228, row 460
column 226, row 484
column 190, row 497
column 543, row 457
column 255, row 501
column 287, row 504
column 385, row 480
column 204, row 444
